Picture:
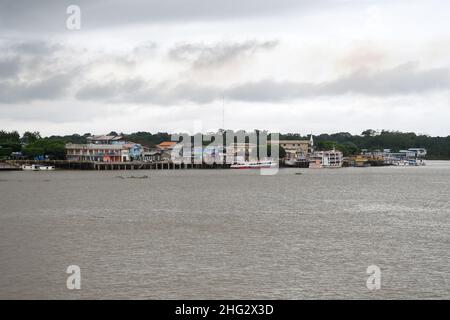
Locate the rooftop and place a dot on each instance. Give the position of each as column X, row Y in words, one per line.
column 294, row 141
column 104, row 137
column 94, row 146
column 167, row 144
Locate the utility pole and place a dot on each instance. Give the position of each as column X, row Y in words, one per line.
column 223, row 112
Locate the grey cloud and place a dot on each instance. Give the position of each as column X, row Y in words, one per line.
column 402, row 80
column 16, row 57
column 34, row 48
column 113, row 91
column 141, row 92
column 269, row 90
column 30, row 71
column 45, row 89
column 33, row 71
column 203, row 56
column 51, row 14
column 9, row 67
column 188, row 92
column 145, row 47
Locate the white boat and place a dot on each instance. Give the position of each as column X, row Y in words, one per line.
column 46, row 168
column 37, row 167
column 416, row 162
column 254, row 165
column 29, row 167
column 290, row 162
column 401, row 163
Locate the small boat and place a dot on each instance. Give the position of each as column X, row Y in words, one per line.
column 37, row 167
column 416, row 162
column 297, row 163
column 401, row 163
column 46, row 168
column 29, row 167
column 254, row 165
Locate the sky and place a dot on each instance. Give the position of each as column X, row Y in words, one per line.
column 300, row 66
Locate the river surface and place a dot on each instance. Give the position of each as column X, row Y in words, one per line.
column 227, row 234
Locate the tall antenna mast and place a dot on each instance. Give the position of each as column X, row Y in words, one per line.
column 223, row 112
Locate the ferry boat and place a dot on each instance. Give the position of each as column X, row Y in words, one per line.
column 409, row 162
column 297, row 163
column 254, row 164
column 37, row 167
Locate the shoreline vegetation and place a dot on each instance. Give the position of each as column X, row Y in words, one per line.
column 32, row 144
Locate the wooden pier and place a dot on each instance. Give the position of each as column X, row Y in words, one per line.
column 4, row 166
column 134, row 165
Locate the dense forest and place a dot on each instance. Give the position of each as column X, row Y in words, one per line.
column 437, row 147
column 32, row 144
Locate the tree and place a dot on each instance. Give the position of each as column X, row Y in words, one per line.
column 147, row 138
column 45, row 147
column 369, row 133
column 347, row 148
column 32, row 151
column 30, row 137
column 281, row 151
column 12, row 137
column 9, row 142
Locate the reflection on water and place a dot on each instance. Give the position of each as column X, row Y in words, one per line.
column 226, row 234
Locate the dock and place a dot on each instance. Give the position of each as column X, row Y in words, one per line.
column 4, row 166
column 102, row 166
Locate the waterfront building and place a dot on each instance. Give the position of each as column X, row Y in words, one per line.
column 326, row 159
column 104, row 148
column 166, row 145
column 105, row 139
column 411, row 156
column 96, row 152
column 419, row 152
column 165, row 148
column 214, row 154
column 297, row 151
column 152, row 156
column 238, row 152
column 359, row 160
column 296, row 148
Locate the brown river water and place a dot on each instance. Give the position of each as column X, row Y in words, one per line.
column 226, row 234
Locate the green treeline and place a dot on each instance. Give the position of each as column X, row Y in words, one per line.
column 437, row 147
column 31, row 144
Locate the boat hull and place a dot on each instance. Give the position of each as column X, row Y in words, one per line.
column 254, row 165
column 34, row 167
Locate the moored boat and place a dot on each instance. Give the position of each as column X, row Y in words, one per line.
column 37, row 167
column 254, row 165
column 46, row 168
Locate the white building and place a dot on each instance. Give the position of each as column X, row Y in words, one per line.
column 326, row 159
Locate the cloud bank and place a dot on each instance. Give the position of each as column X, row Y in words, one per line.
column 291, row 64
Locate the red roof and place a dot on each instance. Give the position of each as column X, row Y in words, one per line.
column 167, row 144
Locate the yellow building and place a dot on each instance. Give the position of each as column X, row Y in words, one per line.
column 296, row 149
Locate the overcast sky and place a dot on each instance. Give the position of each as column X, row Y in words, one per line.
column 286, row 65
